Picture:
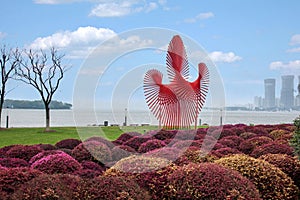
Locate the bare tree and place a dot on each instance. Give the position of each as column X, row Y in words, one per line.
column 44, row 71
column 9, row 60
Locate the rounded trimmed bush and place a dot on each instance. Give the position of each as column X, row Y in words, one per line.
column 120, row 152
column 151, row 145
column 50, row 187
column 165, row 134
column 125, row 137
column 271, row 182
column 92, row 166
column 278, row 133
column 87, row 173
column 67, row 143
column 194, row 156
column 247, row 135
column 44, row 154
column 13, row 162
column 288, row 164
column 185, row 134
column 209, row 181
column 47, row 147
column 136, row 141
column 108, row 188
column 25, row 152
column 93, row 151
column 250, row 144
column 225, row 151
column 273, row 148
column 12, row 178
column 57, row 163
column 169, row 153
column 102, row 140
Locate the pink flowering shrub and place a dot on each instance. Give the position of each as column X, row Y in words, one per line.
column 271, row 182
column 102, row 140
column 87, row 173
column 44, row 154
column 224, row 152
column 25, row 152
column 67, row 144
column 272, row 148
column 151, row 145
column 12, row 178
column 13, row 162
column 49, row 187
column 288, row 164
column 165, row 134
column 236, row 141
column 108, row 188
column 169, row 153
column 136, row 141
column 57, row 163
column 92, row 166
column 47, row 147
column 92, row 151
column 209, row 181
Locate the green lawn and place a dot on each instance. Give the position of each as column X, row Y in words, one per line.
column 37, row 135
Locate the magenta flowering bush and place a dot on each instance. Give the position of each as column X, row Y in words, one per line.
column 165, row 134
column 169, row 153
column 92, row 166
column 44, row 154
column 87, row 173
column 49, row 187
column 209, row 181
column 125, row 137
column 13, row 162
column 136, row 141
column 249, row 145
column 102, row 140
column 12, row 178
column 151, row 145
column 25, row 152
column 57, row 163
column 225, row 151
column 92, row 151
column 47, row 147
column 272, row 148
column 67, row 144
column 236, row 139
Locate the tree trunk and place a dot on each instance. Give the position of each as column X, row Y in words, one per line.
column 47, row 109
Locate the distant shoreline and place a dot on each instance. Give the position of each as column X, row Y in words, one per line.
column 35, row 104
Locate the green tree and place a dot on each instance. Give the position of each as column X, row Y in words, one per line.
column 295, row 141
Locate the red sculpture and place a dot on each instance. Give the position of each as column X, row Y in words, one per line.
column 177, row 104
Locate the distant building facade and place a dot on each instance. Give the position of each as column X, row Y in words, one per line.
column 287, row 92
column 297, row 98
column 269, row 100
column 258, row 102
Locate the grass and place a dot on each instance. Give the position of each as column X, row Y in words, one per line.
column 38, row 136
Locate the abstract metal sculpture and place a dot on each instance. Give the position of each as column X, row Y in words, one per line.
column 177, row 104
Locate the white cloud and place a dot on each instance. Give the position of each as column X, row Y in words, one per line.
column 122, row 8
column 295, row 40
column 219, row 56
column 291, row 65
column 2, row 35
column 200, row 16
column 294, row 50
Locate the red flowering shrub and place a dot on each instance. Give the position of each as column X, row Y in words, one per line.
column 57, row 163
column 108, row 188
column 67, row 143
column 92, row 166
column 165, row 134
column 87, row 173
column 256, row 129
column 122, row 151
column 93, row 151
column 151, row 145
column 44, row 154
column 25, row 152
column 108, row 143
column 225, row 151
column 288, row 164
column 249, row 145
column 13, row 162
column 209, row 181
column 271, row 182
column 149, row 172
column 12, row 178
column 183, row 144
column 228, row 143
column 185, row 134
column 194, row 156
column 47, row 147
column 272, row 148
column 3, row 150
column 136, row 142
column 236, row 139
column 49, row 187
column 125, row 137
column 169, row 153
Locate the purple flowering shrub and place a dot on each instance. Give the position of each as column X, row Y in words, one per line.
column 271, row 182
column 102, row 140
column 107, row 188
column 25, row 152
column 92, row 166
column 272, row 148
column 67, row 144
column 165, row 134
column 44, row 154
column 13, row 162
column 136, row 141
column 209, row 181
column 151, row 145
column 125, row 137
column 12, row 178
column 57, row 163
column 92, row 151
column 249, row 145
column 87, row 173
column 224, row 152
column 288, row 164
column 169, row 153
column 47, row 147
column 50, row 187
column 122, row 151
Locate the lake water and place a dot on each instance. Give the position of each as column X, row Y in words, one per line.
column 36, row 118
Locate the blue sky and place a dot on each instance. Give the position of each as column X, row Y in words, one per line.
column 248, row 40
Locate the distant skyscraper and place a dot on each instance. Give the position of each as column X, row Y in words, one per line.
column 258, row 102
column 297, row 99
column 269, row 101
column 287, row 92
